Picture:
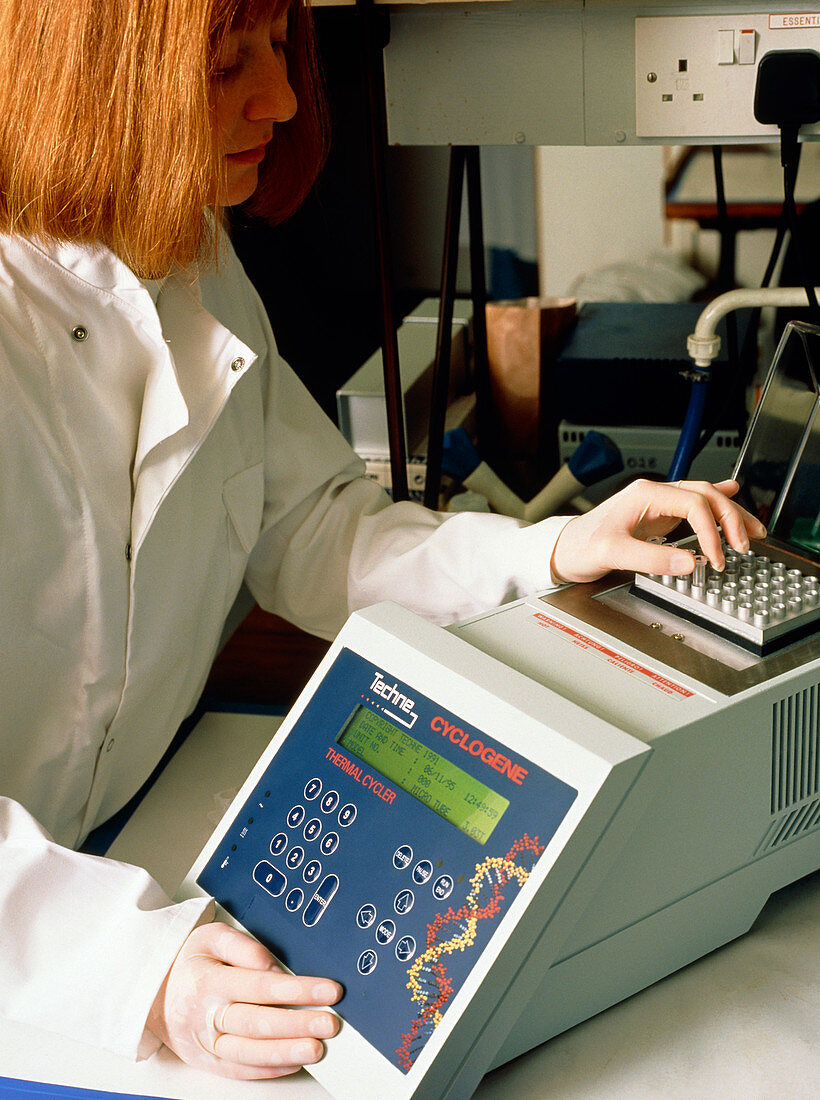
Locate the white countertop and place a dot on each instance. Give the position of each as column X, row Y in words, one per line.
column 742, row 1023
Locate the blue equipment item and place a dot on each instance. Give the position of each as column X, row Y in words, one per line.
column 459, row 456
column 11, row 1087
column 687, row 441
column 595, row 458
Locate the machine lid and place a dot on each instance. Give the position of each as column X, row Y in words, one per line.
column 778, row 468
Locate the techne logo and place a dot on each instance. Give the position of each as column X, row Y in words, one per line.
column 475, row 747
column 391, row 694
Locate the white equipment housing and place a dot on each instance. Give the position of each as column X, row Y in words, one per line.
column 697, row 771
column 492, row 832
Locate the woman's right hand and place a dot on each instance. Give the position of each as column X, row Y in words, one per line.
column 222, row 1008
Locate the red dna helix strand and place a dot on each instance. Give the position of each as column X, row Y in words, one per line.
column 457, row 930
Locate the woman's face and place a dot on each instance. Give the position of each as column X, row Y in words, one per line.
column 250, row 93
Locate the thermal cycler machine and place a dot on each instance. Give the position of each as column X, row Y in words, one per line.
column 492, row 832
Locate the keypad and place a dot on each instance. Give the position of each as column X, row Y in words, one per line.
column 288, row 845
column 304, row 886
column 384, row 931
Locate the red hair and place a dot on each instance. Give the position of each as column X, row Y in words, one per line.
column 105, row 123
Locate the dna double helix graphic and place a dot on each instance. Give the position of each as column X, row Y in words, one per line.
column 457, row 930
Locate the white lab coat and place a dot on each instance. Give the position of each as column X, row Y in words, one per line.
column 155, row 451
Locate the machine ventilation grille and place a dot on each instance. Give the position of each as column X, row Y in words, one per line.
column 795, row 745
column 795, row 806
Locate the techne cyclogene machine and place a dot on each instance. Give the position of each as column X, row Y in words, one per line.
column 492, row 832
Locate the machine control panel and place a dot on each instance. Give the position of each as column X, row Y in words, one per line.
column 382, row 846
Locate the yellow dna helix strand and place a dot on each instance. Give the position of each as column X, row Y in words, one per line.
column 456, row 930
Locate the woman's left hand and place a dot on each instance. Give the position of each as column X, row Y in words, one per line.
column 612, row 536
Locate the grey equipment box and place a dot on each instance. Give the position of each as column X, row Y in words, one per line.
column 360, row 403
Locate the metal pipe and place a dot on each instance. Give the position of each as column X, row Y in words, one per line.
column 704, row 343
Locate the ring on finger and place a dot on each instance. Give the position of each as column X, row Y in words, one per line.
column 215, row 1022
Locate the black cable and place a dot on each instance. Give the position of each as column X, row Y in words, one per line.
column 748, row 351
column 735, row 372
column 790, row 156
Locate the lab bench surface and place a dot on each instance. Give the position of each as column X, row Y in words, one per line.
column 740, row 1023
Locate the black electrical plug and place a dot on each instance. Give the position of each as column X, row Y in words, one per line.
column 787, row 95
column 787, row 91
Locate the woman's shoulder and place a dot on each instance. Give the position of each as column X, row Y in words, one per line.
column 229, row 295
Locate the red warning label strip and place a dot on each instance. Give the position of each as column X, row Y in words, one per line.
column 653, row 679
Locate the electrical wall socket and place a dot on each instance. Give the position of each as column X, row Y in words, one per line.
column 695, row 75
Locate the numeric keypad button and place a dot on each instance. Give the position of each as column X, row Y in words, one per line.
column 294, row 857
column 329, row 843
column 347, row 815
column 270, row 878
column 315, row 908
column 294, row 900
column 313, row 788
column 278, row 844
column 329, row 802
column 312, row 871
column 296, row 815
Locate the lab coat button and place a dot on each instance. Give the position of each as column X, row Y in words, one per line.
column 110, row 745
column 128, row 551
column 80, row 333
column 238, row 363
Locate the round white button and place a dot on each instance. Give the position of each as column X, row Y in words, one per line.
column 404, row 901
column 313, row 788
column 422, row 871
column 367, row 962
column 347, row 815
column 366, row 915
column 386, row 931
column 402, row 857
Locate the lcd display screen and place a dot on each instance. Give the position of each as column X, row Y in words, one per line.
column 442, row 786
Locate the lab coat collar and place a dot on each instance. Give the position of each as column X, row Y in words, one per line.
column 196, row 361
column 92, row 264
column 185, row 393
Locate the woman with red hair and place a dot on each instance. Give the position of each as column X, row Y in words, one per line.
column 154, row 453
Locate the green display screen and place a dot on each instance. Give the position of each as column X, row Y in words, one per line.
column 443, row 787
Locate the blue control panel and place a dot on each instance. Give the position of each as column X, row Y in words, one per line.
column 381, row 847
